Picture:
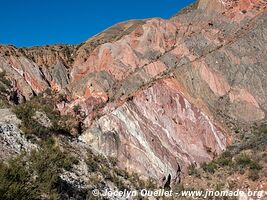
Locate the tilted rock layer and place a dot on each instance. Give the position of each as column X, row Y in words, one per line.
column 157, row 132
column 151, row 90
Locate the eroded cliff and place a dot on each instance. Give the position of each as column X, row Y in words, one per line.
column 158, row 94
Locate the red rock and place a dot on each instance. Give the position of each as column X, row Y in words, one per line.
column 154, row 124
column 157, row 132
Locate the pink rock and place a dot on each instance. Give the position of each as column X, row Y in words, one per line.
column 215, row 81
column 158, row 133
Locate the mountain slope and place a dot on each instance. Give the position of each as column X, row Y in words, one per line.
column 159, row 95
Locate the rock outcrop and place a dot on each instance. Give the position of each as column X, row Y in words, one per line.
column 32, row 73
column 157, row 133
column 12, row 141
column 156, row 93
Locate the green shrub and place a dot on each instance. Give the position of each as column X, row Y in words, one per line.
column 226, row 154
column 62, row 98
column 96, row 162
column 30, row 176
column 25, row 113
column 263, row 129
column 222, row 161
column 15, row 180
column 254, row 165
column 76, row 109
column 210, row 167
column 243, row 160
column 4, row 80
column 121, row 172
column 30, row 126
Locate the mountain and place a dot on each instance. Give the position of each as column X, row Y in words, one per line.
column 158, row 95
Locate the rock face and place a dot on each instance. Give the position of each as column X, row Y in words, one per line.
column 33, row 70
column 151, row 90
column 12, row 141
column 157, row 133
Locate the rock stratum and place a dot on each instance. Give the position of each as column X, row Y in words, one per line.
column 159, row 95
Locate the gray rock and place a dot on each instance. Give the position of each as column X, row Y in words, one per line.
column 42, row 119
column 12, row 140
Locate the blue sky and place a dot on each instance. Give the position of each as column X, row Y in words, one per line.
column 42, row 22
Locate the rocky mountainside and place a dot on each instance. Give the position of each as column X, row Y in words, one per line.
column 158, row 95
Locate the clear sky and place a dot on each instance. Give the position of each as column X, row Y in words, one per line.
column 42, row 22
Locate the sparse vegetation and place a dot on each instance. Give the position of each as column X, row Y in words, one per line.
column 5, row 84
column 241, row 163
column 192, row 171
column 109, row 171
column 210, row 167
column 62, row 98
column 77, row 109
column 253, row 175
column 244, row 160
column 33, row 175
column 222, row 161
column 4, row 80
column 30, row 126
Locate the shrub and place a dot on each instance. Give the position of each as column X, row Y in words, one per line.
column 222, row 161
column 4, row 80
column 30, row 176
column 76, row 109
column 27, row 110
column 15, row 180
column 253, row 175
column 121, row 172
column 136, row 181
column 62, row 98
column 113, row 161
column 96, row 162
column 263, row 129
column 178, row 188
column 151, row 183
column 243, row 160
column 192, row 171
column 25, row 113
column 226, row 154
column 254, row 165
column 210, row 167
